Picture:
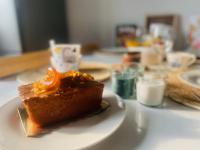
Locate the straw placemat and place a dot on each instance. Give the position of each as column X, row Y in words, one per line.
column 181, row 92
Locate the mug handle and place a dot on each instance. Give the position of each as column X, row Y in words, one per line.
column 192, row 60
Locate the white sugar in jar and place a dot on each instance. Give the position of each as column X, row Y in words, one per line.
column 150, row 92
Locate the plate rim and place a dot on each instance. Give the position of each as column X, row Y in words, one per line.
column 117, row 99
column 181, row 77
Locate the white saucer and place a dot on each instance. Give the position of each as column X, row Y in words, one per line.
column 191, row 78
column 75, row 135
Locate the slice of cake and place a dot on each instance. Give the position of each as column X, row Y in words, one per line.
column 60, row 97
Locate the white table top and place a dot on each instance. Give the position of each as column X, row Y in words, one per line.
column 171, row 127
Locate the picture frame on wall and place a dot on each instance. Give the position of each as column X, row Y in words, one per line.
column 166, row 25
column 193, row 35
column 167, row 19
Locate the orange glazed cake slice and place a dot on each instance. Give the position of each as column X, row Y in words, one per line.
column 60, row 97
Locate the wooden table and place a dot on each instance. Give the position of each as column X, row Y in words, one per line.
column 14, row 64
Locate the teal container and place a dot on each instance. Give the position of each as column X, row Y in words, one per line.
column 124, row 80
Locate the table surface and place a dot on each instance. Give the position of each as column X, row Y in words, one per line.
column 172, row 126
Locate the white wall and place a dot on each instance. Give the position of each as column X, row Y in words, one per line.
column 9, row 33
column 96, row 19
column 83, row 19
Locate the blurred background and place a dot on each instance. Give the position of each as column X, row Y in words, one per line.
column 28, row 25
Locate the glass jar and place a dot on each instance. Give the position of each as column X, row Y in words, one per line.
column 124, row 79
column 150, row 91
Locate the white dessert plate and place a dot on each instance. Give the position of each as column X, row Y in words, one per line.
column 191, row 77
column 79, row 134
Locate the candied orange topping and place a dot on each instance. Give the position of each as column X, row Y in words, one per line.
column 77, row 74
column 51, row 81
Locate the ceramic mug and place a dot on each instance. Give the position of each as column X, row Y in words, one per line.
column 180, row 59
